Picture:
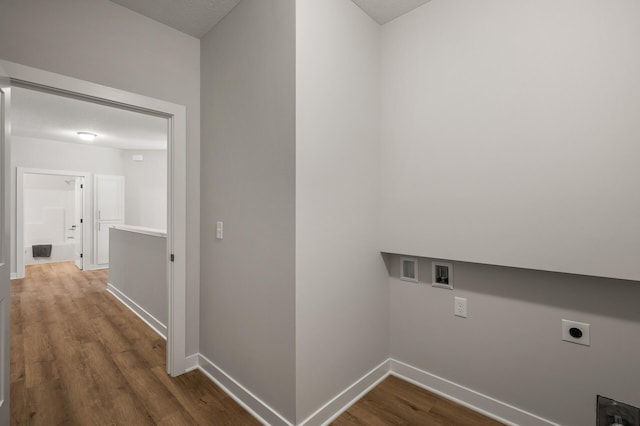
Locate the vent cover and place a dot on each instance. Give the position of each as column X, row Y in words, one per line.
column 409, row 269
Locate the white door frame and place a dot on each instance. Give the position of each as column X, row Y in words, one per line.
column 21, row 171
column 176, row 115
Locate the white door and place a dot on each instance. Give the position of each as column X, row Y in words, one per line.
column 109, row 211
column 5, row 303
column 78, row 226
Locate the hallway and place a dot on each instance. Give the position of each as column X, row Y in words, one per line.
column 79, row 357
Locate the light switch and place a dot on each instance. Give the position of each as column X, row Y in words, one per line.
column 219, row 230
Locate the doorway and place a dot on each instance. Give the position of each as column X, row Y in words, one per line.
column 50, row 211
column 175, row 116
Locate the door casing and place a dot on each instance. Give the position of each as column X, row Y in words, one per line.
column 36, row 79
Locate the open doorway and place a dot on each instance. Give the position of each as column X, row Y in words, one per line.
column 122, row 155
column 50, row 217
column 174, row 118
column 125, row 172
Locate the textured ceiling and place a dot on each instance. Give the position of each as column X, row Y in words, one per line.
column 383, row 11
column 45, row 116
column 197, row 17
column 194, row 17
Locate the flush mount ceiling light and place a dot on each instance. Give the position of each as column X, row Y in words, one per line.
column 87, row 137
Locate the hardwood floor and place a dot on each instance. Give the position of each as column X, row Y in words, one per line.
column 78, row 357
column 396, row 402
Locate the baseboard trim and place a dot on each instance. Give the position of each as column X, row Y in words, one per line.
column 469, row 398
column 247, row 400
column 476, row 401
column 345, row 399
column 15, row 276
column 145, row 316
column 191, row 363
column 94, row 267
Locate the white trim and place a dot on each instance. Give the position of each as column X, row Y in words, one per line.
column 247, row 400
column 13, row 276
column 142, row 313
column 191, row 362
column 177, row 183
column 162, row 233
column 19, row 243
column 94, row 267
column 476, row 401
column 345, row 399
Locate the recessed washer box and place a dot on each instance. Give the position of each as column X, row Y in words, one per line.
column 442, row 275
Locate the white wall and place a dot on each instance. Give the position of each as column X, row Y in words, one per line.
column 101, row 42
column 341, row 282
column 145, row 189
column 509, row 134
column 540, row 101
column 248, row 182
column 52, row 155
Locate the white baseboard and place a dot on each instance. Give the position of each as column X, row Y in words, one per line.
column 345, row 399
column 476, row 401
column 145, row 316
column 191, row 363
column 94, row 267
column 247, row 400
column 469, row 398
column 15, row 276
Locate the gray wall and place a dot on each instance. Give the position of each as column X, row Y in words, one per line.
column 138, row 269
column 509, row 134
column 248, row 181
column 510, row 348
column 145, row 188
column 101, row 42
column 341, row 283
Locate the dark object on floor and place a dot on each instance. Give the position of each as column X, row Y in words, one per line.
column 42, row 250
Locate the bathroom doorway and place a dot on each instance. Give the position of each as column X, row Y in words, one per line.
column 50, row 207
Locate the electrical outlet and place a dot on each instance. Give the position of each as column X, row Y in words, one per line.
column 460, row 307
column 576, row 332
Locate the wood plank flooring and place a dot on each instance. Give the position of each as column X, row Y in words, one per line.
column 396, row 402
column 78, row 357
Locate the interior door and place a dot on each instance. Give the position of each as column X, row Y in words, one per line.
column 5, row 303
column 79, row 223
column 109, row 211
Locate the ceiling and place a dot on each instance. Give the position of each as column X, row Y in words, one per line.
column 383, row 11
column 51, row 117
column 194, row 17
column 197, row 17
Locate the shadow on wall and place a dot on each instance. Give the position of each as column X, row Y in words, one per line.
column 594, row 295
